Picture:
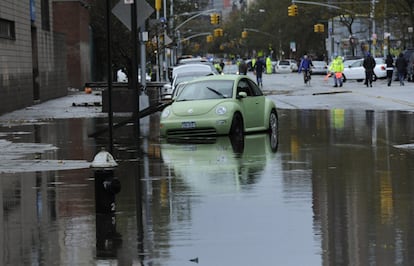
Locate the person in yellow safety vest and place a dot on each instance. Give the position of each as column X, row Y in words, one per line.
column 218, row 67
column 269, row 69
column 337, row 67
column 253, row 62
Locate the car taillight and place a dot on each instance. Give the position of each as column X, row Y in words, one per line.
column 383, row 68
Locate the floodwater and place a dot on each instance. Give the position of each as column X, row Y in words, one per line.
column 338, row 189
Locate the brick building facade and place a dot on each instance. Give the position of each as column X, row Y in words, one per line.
column 72, row 18
column 38, row 62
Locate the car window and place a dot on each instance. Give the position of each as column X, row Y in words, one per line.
column 243, row 86
column 254, row 88
column 356, row 63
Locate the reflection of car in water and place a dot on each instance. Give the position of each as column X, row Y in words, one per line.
column 221, row 164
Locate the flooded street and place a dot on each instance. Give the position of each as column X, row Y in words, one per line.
column 336, row 190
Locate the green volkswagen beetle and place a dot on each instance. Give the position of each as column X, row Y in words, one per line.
column 218, row 105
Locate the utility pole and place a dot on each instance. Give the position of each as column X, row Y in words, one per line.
column 374, row 35
column 165, row 65
column 158, row 63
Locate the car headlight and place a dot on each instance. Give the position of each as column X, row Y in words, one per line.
column 166, row 113
column 221, row 110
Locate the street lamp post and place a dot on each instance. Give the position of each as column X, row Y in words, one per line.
column 194, row 15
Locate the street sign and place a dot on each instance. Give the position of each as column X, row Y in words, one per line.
column 167, row 40
column 123, row 12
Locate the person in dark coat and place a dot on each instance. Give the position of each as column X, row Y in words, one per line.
column 369, row 65
column 259, row 68
column 401, row 65
column 243, row 67
column 390, row 68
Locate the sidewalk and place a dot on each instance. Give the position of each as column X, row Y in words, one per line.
column 77, row 104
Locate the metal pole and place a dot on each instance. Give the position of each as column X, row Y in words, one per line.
column 134, row 75
column 109, row 73
column 373, row 26
column 159, row 62
column 165, row 65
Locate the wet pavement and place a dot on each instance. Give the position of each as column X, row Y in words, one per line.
column 336, row 190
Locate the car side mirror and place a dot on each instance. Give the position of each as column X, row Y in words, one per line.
column 241, row 94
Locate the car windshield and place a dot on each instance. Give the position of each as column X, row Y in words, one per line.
column 205, row 90
column 284, row 63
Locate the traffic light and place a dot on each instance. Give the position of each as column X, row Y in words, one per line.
column 319, row 27
column 295, row 10
column 244, row 34
column 213, row 19
column 218, row 32
column 217, row 18
column 292, row 10
column 209, row 38
column 158, row 5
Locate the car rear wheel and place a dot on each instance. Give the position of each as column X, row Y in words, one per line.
column 237, row 128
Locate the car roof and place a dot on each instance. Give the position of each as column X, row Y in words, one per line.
column 193, row 67
column 192, row 60
column 195, row 73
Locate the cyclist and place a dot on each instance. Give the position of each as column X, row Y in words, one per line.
column 305, row 66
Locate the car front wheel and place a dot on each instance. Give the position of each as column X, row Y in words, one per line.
column 237, row 128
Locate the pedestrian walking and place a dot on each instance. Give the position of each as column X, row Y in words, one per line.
column 305, row 66
column 243, row 67
column 401, row 65
column 259, row 68
column 337, row 67
column 389, row 62
column 369, row 65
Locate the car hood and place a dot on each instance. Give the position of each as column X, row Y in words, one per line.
column 193, row 108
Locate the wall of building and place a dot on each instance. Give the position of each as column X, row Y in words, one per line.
column 72, row 18
column 17, row 88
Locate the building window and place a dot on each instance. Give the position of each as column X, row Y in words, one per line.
column 7, row 30
column 45, row 15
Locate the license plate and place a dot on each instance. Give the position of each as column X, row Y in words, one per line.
column 188, row 124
